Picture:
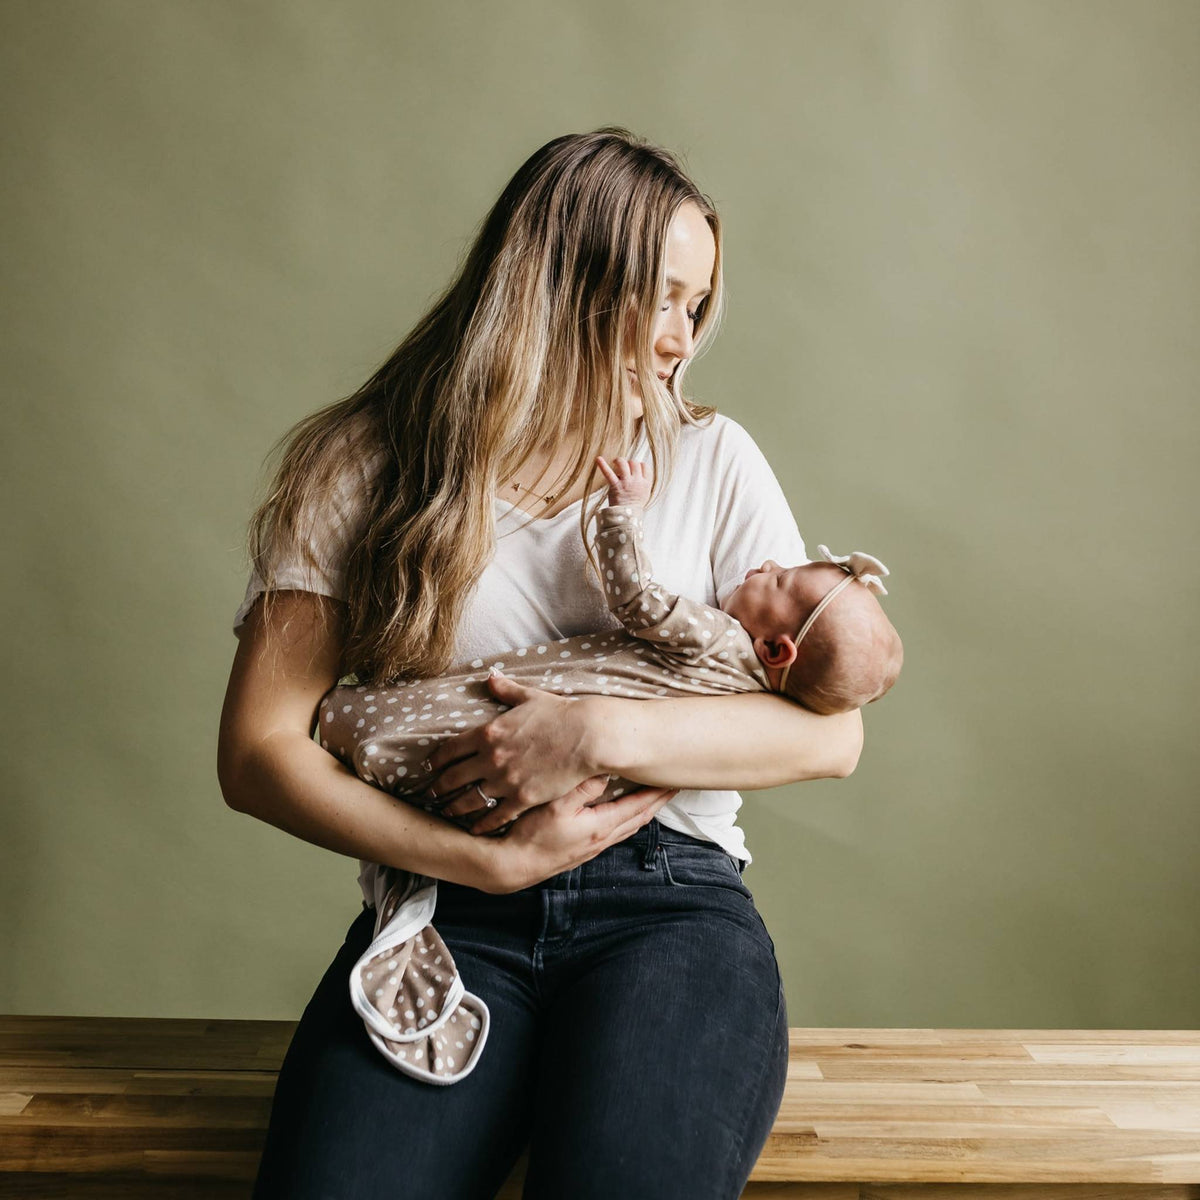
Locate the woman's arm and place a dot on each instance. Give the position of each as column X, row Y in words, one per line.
column 746, row 741
column 269, row 766
column 547, row 743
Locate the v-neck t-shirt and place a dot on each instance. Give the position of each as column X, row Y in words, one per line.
column 721, row 512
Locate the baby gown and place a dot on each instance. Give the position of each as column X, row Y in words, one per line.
column 405, row 986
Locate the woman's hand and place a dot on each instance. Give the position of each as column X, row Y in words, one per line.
column 533, row 753
column 568, row 831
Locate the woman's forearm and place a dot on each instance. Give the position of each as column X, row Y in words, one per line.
column 742, row 742
column 290, row 782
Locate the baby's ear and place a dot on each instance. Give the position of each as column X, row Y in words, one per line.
column 777, row 651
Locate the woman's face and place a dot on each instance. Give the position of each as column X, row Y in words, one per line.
column 691, row 253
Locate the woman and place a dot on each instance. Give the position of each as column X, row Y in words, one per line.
column 638, row 1038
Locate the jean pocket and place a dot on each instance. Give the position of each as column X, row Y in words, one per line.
column 688, row 865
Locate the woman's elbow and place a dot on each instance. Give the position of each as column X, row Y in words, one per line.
column 237, row 769
column 230, row 773
column 849, row 745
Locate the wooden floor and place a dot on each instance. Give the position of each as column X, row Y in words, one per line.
column 95, row 1108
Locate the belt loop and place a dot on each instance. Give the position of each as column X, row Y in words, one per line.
column 652, row 846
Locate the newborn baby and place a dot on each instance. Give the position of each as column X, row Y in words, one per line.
column 813, row 632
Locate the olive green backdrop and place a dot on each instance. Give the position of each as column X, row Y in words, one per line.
column 963, row 287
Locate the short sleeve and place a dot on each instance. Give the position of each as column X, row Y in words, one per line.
column 753, row 520
column 331, row 534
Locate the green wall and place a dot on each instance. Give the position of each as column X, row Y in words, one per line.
column 963, row 281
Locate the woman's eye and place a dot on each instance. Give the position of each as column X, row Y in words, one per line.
column 692, row 316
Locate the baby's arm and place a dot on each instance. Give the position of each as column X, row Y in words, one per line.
column 680, row 628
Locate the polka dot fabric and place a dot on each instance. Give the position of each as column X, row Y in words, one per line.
column 670, row 645
column 408, row 992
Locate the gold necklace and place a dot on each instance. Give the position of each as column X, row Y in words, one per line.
column 516, row 487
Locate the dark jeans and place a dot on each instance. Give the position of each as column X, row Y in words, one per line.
column 638, row 1046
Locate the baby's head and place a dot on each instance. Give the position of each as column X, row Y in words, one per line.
column 847, row 656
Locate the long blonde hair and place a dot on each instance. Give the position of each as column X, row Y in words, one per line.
column 522, row 351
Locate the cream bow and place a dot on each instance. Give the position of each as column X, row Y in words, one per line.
column 866, row 568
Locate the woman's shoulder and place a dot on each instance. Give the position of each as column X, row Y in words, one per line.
column 716, row 445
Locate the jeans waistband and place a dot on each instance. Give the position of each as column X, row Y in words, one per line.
column 648, row 838
column 606, row 867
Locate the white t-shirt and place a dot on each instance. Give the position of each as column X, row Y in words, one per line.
column 721, row 513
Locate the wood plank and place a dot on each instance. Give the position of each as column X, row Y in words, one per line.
column 143, row 1042
column 1081, row 1114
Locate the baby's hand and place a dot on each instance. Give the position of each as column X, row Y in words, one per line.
column 628, row 482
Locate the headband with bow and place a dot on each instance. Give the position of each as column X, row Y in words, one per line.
column 866, row 568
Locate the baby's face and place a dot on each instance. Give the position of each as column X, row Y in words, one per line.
column 774, row 600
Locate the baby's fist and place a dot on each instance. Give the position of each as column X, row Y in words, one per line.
column 628, row 480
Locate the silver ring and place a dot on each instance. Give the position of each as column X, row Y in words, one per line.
column 490, row 801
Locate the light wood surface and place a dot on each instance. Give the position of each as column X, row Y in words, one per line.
column 96, row 1107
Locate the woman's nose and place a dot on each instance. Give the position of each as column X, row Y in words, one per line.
column 676, row 338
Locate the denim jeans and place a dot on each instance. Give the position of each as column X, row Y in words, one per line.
column 638, row 1045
